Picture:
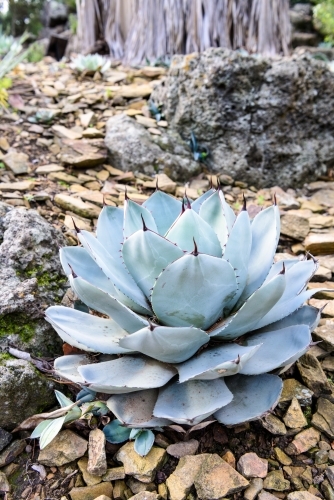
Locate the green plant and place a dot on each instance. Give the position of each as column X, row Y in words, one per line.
column 12, row 58
column 5, row 43
column 73, row 20
column 36, row 53
column 323, row 14
column 200, row 153
column 198, row 313
column 90, row 63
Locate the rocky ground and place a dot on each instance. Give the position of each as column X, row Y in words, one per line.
column 53, row 159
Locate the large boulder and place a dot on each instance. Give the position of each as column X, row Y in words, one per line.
column 265, row 121
column 31, row 278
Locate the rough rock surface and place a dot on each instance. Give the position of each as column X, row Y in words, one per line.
column 142, row 468
column 31, row 278
column 20, row 382
column 64, row 448
column 265, row 121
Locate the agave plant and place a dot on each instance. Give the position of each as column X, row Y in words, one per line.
column 90, row 63
column 192, row 311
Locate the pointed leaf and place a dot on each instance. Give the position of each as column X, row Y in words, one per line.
column 104, row 303
column 98, row 334
column 65, row 337
column 136, row 409
column 133, row 218
column 144, row 442
column 116, row 271
column 109, row 229
column 51, row 431
column 115, row 433
column 252, row 397
column 246, row 319
column 127, row 374
column 168, row 344
column 305, row 315
column 193, row 291
column 193, row 401
column 196, row 205
column 67, row 367
column 277, row 347
column 62, row 399
column 164, row 208
column 265, row 233
column 145, row 255
column 216, row 362
column 189, row 228
column 40, row 428
column 216, row 212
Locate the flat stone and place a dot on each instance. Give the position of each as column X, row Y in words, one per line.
column 294, row 389
column 17, row 186
column 16, row 162
column 303, row 441
column 323, row 419
column 92, row 196
column 119, row 488
column 324, row 197
column 146, row 122
column 142, row 468
column 77, row 206
column 326, row 305
column 322, row 294
column 216, row 479
column 326, row 261
column 282, row 457
column 137, row 486
column 83, row 154
column 294, row 226
column 66, row 133
column 36, row 129
column 4, row 483
column 97, row 462
column 322, row 274
column 327, row 490
column 47, row 169
column 275, row 481
column 64, row 177
column 49, row 91
column 5, row 438
column 301, row 495
column 310, row 205
column 183, row 448
column 93, row 185
column 265, row 495
column 321, row 221
column 313, row 375
column 145, row 495
column 328, row 364
column 102, row 175
column 294, row 417
column 254, row 488
column 274, row 425
column 284, row 199
column 330, row 474
column 86, row 118
column 133, row 91
column 92, row 133
column 320, row 243
column 9, row 454
column 68, row 222
column 101, row 497
column 64, row 448
column 92, row 492
column 89, row 479
column 250, row 465
column 325, row 334
column 4, row 144
column 181, row 480
column 113, row 474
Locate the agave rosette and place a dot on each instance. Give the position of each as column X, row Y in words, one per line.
column 199, row 313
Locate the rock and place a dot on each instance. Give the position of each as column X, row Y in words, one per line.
column 16, row 162
column 142, row 468
column 49, row 91
column 294, row 417
column 66, row 133
column 19, row 381
column 4, row 144
column 4, row 483
column 17, row 186
column 328, row 364
column 102, row 497
column 317, row 243
column 301, row 495
column 146, row 122
column 114, row 474
column 294, row 389
column 323, row 419
column 242, row 109
column 134, row 91
column 229, row 458
column 12, row 451
column 64, row 448
column 181, row 480
column 97, row 462
column 54, row 14
column 294, row 226
column 92, row 133
column 92, row 492
column 92, row 196
column 313, row 375
column 326, row 261
column 47, row 169
column 131, row 147
column 216, row 479
column 282, row 457
column 83, row 154
column 321, row 222
column 250, row 465
column 5, row 438
column 325, row 334
column 137, row 486
column 89, row 479
column 273, row 425
column 327, row 490
column 303, row 441
column 183, row 448
column 330, row 474
column 324, row 197
column 284, row 199
column 145, row 495
column 62, row 176
column 86, row 118
column 31, row 277
column 119, row 488
column 276, row 481
column 77, row 206
column 265, row 495
column 254, row 488
column 322, row 274
column 321, row 457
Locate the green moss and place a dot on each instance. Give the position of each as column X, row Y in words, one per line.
column 4, row 356
column 18, row 324
column 53, row 282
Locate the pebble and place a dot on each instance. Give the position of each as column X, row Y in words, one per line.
column 313, row 375
column 89, row 479
column 229, row 458
column 265, row 495
column 250, row 465
column 142, row 468
column 282, row 457
column 113, row 474
column 92, row 492
column 47, row 169
column 76, row 205
column 294, row 417
column 183, row 448
column 9, row 454
column 16, row 162
column 323, row 419
column 97, row 461
column 294, row 226
column 5, row 438
column 303, row 441
column 181, row 480
column 320, row 243
column 275, row 481
column 273, row 425
column 145, row 495
column 17, row 186
column 294, row 389
column 4, row 483
column 301, row 495
column 254, row 488
column 325, row 334
column 64, row 448
column 66, row 133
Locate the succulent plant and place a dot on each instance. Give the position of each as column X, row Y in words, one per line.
column 189, row 312
column 90, row 63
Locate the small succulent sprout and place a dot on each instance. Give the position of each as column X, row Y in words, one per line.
column 194, row 317
column 90, row 63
